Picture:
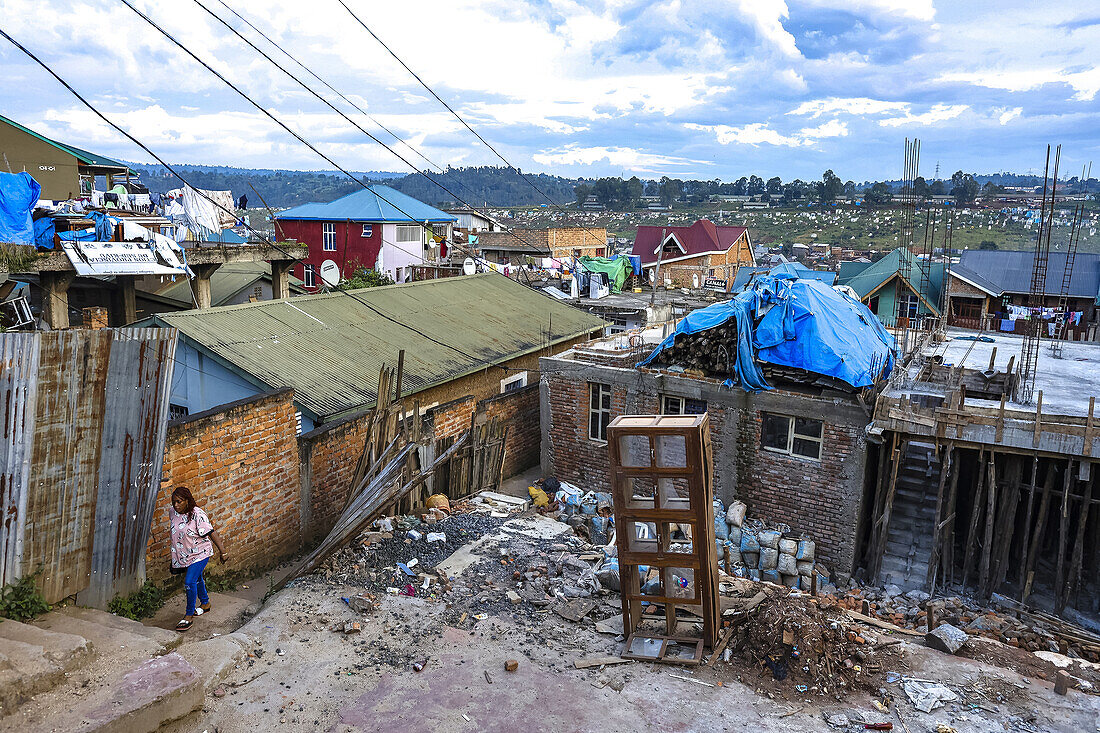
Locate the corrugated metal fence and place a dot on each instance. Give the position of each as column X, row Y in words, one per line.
column 82, row 424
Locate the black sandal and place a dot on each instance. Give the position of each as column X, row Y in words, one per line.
column 184, row 625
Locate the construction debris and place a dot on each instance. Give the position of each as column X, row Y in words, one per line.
column 946, row 638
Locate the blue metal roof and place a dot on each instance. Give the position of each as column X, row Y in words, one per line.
column 372, row 204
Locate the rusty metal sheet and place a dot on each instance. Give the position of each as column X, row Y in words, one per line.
column 131, row 457
column 18, row 365
column 83, row 418
column 72, row 373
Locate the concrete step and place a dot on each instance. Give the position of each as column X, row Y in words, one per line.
column 143, row 700
column 68, row 650
column 908, row 576
column 108, row 633
column 901, row 546
column 33, row 660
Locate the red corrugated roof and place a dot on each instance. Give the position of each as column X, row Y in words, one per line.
column 701, row 238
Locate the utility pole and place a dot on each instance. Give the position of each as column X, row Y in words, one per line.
column 657, row 272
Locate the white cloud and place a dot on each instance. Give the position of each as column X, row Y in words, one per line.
column 1007, row 115
column 767, row 17
column 850, row 105
column 618, row 157
column 759, row 133
column 923, row 10
column 1085, row 84
column 938, row 113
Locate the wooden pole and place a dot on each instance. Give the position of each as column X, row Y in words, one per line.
column 1074, row 581
column 948, row 547
column 975, row 515
column 1026, row 534
column 883, row 525
column 1063, row 530
column 937, row 533
column 990, row 520
column 1003, row 536
column 1037, row 537
column 657, row 271
column 400, row 373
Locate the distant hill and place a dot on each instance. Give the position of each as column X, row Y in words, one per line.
column 479, row 186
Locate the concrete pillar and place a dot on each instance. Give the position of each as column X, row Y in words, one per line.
column 129, row 299
column 201, row 284
column 280, row 280
column 55, row 298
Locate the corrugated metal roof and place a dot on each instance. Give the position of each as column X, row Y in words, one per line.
column 900, row 261
column 373, row 203
column 977, row 280
column 227, row 281
column 329, row 347
column 1010, row 270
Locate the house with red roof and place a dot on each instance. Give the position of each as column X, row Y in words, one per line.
column 690, row 254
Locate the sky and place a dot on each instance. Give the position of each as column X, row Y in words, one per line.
column 684, row 88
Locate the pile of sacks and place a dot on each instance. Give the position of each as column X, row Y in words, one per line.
column 589, row 512
column 750, row 549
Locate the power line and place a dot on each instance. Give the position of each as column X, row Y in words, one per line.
column 173, row 171
column 458, row 117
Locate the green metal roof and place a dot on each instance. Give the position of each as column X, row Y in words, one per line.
column 329, row 347
column 227, row 281
column 89, row 159
column 899, row 262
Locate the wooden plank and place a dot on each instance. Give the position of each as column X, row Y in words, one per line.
column 1086, row 449
column 975, row 515
column 948, row 547
column 1001, row 421
column 1004, row 537
column 872, row 621
column 598, row 662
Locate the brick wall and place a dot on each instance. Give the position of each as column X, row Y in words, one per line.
column 558, row 241
column 822, row 498
column 241, row 463
column 519, row 410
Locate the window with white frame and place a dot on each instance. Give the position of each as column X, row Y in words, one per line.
column 796, row 436
column 599, row 410
column 513, row 383
column 673, row 405
column 368, row 230
column 328, row 236
column 309, row 276
column 409, row 233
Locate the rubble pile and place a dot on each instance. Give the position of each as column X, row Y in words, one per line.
column 997, row 620
column 810, row 644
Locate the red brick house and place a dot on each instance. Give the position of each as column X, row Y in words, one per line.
column 693, row 253
column 376, row 227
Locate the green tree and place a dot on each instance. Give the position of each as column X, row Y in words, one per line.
column 921, row 187
column 991, row 189
column 365, row 277
column 964, row 188
column 937, row 188
column 774, row 186
column 670, row 190
column 756, row 185
column 634, row 190
column 829, row 188
column 582, row 191
column 988, row 244
column 877, row 195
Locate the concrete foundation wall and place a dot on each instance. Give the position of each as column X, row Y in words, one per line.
column 822, row 498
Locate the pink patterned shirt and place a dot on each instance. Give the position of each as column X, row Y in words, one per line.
column 190, row 539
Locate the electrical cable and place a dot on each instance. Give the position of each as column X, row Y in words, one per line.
column 173, row 171
column 450, row 109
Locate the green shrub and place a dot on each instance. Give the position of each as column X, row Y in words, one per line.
column 221, row 583
column 142, row 603
column 21, row 600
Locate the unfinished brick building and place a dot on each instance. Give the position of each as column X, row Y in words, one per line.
column 794, row 455
column 514, row 247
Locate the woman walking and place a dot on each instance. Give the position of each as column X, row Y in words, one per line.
column 193, row 542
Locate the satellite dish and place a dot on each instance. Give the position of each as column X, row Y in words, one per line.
column 469, row 267
column 330, row 273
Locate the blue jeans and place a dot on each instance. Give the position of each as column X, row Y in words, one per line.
column 195, row 585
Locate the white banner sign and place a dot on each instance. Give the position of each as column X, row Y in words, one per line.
column 124, row 258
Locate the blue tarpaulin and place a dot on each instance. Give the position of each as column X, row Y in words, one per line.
column 797, row 323
column 18, row 194
column 44, row 229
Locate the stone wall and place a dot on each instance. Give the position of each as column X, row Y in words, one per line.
column 822, row 498
column 241, row 463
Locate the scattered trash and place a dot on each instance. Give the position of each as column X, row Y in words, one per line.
column 419, row 666
column 352, row 627
column 689, row 679
column 945, row 728
column 413, row 563
column 927, row 696
column 481, row 616
column 436, row 537
column 413, row 535
column 878, row 726
column 487, row 677
column 408, row 590
column 438, row 501
column 405, row 569
column 837, row 720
